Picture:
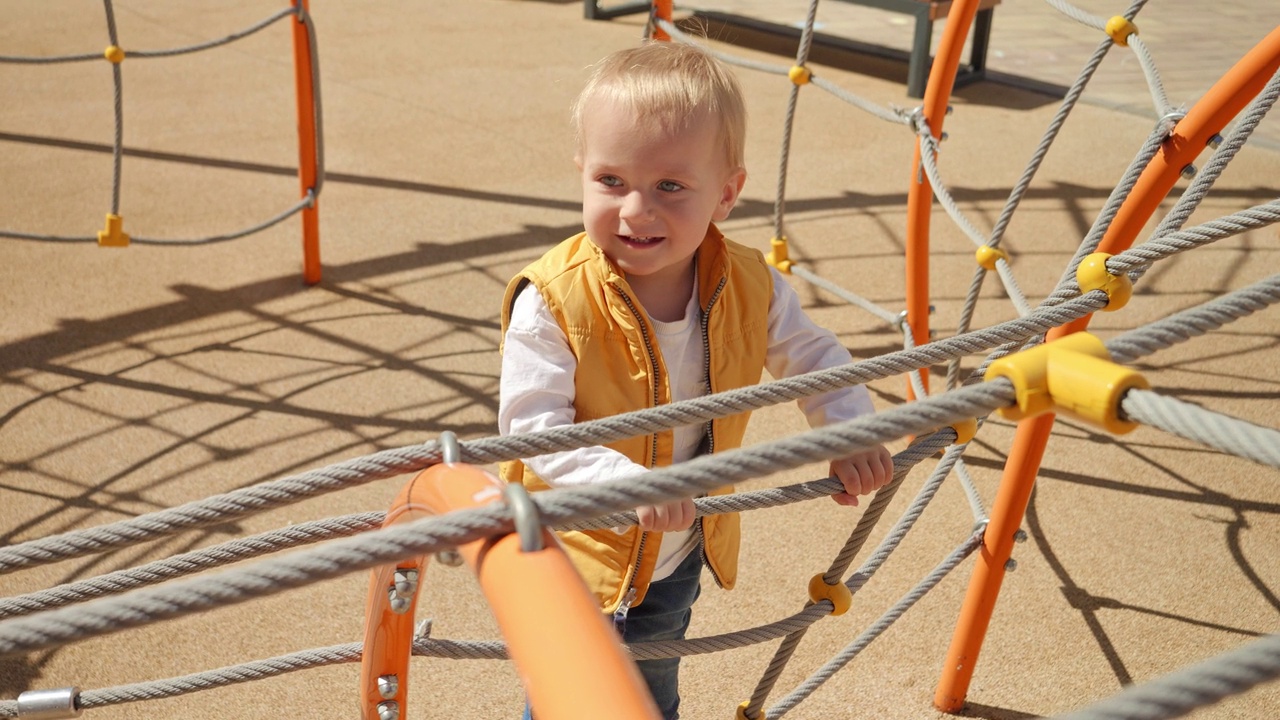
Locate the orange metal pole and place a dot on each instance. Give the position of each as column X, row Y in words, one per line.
column 937, row 94
column 567, row 654
column 662, row 10
column 307, row 163
column 1222, row 103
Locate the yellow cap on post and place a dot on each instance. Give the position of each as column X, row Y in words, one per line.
column 777, row 255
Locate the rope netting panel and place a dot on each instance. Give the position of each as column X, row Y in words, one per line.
column 115, row 55
column 139, row 596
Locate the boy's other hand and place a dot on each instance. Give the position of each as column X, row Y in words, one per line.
column 667, row 517
column 862, row 473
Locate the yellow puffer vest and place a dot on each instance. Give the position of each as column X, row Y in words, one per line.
column 620, row 369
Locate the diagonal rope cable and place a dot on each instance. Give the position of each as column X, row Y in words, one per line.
column 1152, row 75
column 890, row 616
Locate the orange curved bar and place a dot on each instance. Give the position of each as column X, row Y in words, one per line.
column 307, row 163
column 567, row 654
column 1223, row 102
column 937, row 94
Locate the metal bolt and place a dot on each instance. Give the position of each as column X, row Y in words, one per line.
column 389, row 710
column 450, row 557
column 1010, row 565
column 399, row 605
column 1215, row 141
column 406, row 582
column 950, row 109
column 1020, row 536
column 943, row 136
column 1189, row 171
column 388, row 686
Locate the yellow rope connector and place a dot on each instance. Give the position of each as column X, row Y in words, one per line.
column 114, row 53
column 838, row 594
column 799, row 74
column 742, row 713
column 1120, row 28
column 1073, row 375
column 987, row 256
column 777, row 255
column 113, row 235
column 965, row 430
column 1092, row 274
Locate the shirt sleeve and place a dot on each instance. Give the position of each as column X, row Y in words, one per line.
column 536, row 392
column 797, row 345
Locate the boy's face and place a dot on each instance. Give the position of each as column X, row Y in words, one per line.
column 649, row 194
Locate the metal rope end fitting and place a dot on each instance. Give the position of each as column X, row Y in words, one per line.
column 49, row 704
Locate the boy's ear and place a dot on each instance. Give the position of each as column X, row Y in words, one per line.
column 577, row 160
column 729, row 194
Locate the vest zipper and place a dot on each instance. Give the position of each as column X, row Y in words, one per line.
column 710, row 433
column 629, row 595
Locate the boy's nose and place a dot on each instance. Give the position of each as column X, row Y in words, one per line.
column 635, row 205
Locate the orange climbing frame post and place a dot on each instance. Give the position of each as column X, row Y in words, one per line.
column 662, row 11
column 937, row 95
column 307, row 161
column 565, row 650
column 1218, row 106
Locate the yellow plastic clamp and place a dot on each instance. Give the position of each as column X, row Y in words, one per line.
column 799, row 74
column 838, row 594
column 965, row 430
column 777, row 255
column 1120, row 28
column 987, row 256
column 114, row 53
column 113, row 235
column 742, row 713
column 1073, row 375
column 1092, row 274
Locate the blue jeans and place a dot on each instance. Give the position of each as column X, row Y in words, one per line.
column 664, row 615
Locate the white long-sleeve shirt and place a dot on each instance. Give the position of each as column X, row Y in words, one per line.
column 536, row 390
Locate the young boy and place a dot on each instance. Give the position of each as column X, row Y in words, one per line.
column 652, row 305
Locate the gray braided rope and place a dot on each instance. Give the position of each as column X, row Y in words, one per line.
column 1195, row 321
column 1077, row 14
column 154, row 53
column 845, row 656
column 338, row 557
column 117, row 149
column 1193, row 687
column 771, row 497
column 1158, row 248
column 1152, row 74
column 782, row 655
column 1192, row 422
column 399, row 461
column 189, row 563
column 887, row 317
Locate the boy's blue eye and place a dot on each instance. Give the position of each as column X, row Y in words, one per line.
column 610, row 181
column 669, row 186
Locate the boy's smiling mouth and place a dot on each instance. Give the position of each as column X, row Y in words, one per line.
column 641, row 239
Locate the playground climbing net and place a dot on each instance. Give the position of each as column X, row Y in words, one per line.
column 1016, row 351
column 311, row 135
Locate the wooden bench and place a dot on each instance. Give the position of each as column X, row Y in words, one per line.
column 920, row 59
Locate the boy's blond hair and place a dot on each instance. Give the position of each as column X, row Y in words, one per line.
column 673, row 84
